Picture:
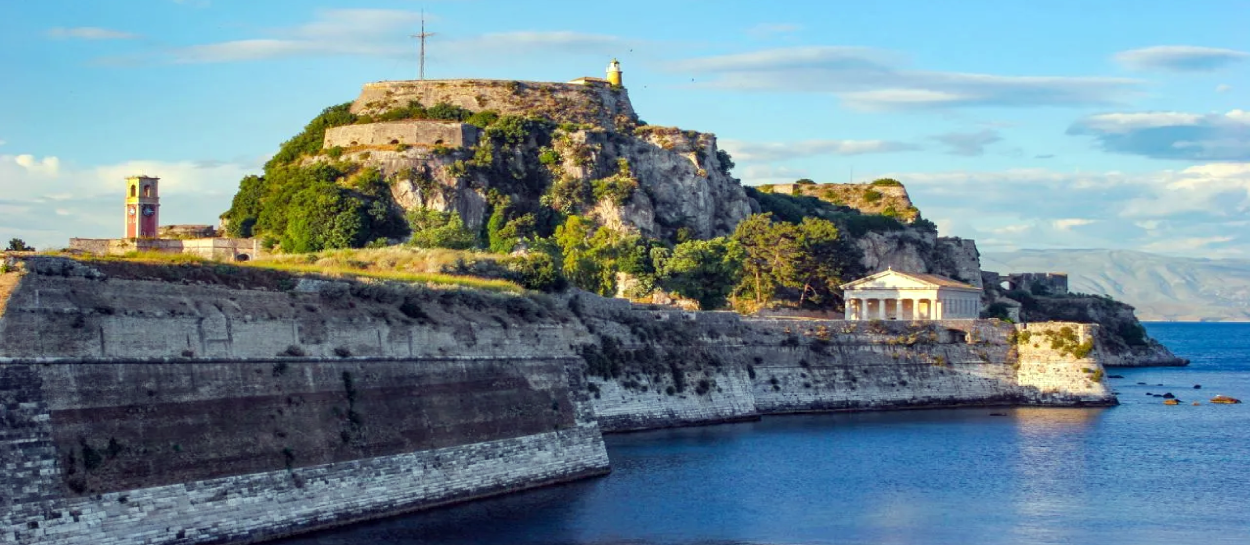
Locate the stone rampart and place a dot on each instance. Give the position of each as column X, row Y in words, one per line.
column 228, row 249
column 601, row 106
column 144, row 404
column 411, row 133
column 660, row 368
column 139, row 411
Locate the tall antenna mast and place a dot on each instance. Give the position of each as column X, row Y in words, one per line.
column 422, row 36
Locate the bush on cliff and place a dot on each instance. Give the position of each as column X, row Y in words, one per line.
column 434, row 229
column 704, row 270
column 809, row 259
column 310, row 208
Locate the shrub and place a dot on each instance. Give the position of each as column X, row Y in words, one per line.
column 335, row 152
column 872, row 195
column 886, row 182
column 434, row 229
column 805, row 181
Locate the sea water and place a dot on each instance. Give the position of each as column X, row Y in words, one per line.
column 1140, row 473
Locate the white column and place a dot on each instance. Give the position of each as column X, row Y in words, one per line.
column 881, row 309
column 849, row 311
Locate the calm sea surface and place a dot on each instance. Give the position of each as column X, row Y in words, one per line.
column 1140, row 473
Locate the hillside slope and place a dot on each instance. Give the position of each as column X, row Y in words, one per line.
column 1159, row 287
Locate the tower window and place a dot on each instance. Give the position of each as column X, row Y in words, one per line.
column 147, row 191
column 133, row 189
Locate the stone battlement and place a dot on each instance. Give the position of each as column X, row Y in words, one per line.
column 234, row 249
column 603, row 106
column 417, row 132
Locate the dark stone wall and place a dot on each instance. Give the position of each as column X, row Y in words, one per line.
column 125, row 426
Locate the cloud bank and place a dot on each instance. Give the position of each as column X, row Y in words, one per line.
column 1180, row 58
column 1171, row 135
column 1197, row 211
column 47, row 200
column 874, row 79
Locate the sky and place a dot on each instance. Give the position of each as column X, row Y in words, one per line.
column 1061, row 124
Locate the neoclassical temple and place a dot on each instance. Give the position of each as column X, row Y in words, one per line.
column 894, row 295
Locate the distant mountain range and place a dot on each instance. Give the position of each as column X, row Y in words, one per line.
column 1161, row 288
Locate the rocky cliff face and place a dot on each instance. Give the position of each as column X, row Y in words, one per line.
column 920, row 251
column 569, row 148
column 1120, row 336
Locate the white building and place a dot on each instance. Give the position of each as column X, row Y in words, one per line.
column 894, row 295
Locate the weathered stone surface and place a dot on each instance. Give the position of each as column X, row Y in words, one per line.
column 564, row 102
column 418, row 132
column 142, row 411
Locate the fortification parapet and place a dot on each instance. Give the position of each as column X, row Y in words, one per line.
column 604, row 106
column 1039, row 283
column 417, row 132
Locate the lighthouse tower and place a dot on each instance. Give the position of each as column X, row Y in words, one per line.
column 614, row 73
column 143, row 205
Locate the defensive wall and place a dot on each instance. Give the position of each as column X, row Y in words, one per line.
column 599, row 105
column 664, row 368
column 412, row 133
column 229, row 249
column 197, row 404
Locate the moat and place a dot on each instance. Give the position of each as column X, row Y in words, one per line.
column 1139, row 473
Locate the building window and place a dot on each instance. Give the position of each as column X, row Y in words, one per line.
column 133, row 189
column 147, row 190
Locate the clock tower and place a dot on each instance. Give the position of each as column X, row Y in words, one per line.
column 143, row 204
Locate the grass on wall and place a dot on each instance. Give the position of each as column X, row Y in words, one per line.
column 388, row 264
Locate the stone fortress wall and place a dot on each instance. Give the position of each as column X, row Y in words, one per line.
column 413, row 133
column 143, row 411
column 599, row 105
column 1049, row 283
column 217, row 248
column 223, row 408
column 758, row 366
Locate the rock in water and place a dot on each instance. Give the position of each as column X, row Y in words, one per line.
column 1168, row 396
column 1197, row 386
column 1171, row 402
column 1225, row 400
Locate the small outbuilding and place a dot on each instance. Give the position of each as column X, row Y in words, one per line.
column 896, row 295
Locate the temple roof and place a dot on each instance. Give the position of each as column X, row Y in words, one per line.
column 926, row 280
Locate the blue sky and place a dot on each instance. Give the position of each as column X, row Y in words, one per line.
column 1022, row 125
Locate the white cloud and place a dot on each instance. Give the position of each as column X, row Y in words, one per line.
column 1223, row 88
column 770, row 174
column 45, row 201
column 1180, row 58
column 1066, row 224
column 48, row 166
column 780, row 151
column 1171, row 135
column 2, row 142
column 89, row 33
column 375, row 33
column 1197, row 211
column 872, row 79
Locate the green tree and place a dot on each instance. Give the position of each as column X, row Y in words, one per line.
column 19, row 245
column 821, row 262
column 769, row 252
column 704, row 270
column 434, row 229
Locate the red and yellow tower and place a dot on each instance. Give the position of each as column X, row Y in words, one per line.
column 143, row 206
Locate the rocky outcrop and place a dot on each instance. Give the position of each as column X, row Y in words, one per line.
column 888, row 199
column 920, row 251
column 1122, row 339
column 579, row 150
column 218, row 404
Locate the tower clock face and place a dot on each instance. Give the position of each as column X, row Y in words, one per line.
column 148, row 210
column 131, row 210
